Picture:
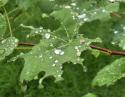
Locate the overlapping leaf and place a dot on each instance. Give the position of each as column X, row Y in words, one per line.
column 102, row 13
column 110, row 73
column 7, row 46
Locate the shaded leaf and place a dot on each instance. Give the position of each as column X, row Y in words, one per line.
column 110, row 73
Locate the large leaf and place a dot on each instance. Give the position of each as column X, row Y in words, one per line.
column 2, row 25
column 7, row 46
column 110, row 73
column 48, row 57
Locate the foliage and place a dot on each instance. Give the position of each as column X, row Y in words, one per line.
column 45, row 48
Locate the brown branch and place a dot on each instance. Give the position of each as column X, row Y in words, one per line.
column 110, row 52
column 26, row 44
column 105, row 50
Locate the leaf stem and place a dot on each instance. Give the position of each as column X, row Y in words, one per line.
column 7, row 18
column 15, row 9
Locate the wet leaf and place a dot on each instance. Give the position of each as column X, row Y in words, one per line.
column 7, row 46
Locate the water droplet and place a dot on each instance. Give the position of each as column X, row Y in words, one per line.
column 62, row 53
column 36, row 32
column 28, row 36
column 68, row 7
column 54, row 65
column 112, row 1
column 85, row 69
column 95, row 13
column 76, row 47
column 81, row 16
column 103, row 10
column 78, row 53
column 115, row 32
column 73, row 4
column 47, row 35
column 86, row 19
column 16, row 40
column 50, row 57
column 40, row 56
column 124, row 28
column 56, row 61
column 57, row 51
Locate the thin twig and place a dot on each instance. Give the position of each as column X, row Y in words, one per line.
column 105, row 50
column 7, row 18
column 26, row 44
column 110, row 52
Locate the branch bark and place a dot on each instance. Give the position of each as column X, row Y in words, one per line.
column 105, row 50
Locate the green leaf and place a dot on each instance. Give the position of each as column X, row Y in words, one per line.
column 50, row 54
column 110, row 73
column 102, row 13
column 68, row 25
column 3, row 26
column 96, row 53
column 3, row 2
column 90, row 95
column 119, row 33
column 7, row 46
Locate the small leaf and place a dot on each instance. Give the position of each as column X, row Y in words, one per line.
column 3, row 25
column 110, row 73
column 96, row 53
column 7, row 46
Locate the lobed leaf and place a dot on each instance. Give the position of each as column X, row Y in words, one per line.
column 50, row 54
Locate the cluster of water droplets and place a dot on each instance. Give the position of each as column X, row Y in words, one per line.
column 83, row 15
column 58, row 51
column 119, row 36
